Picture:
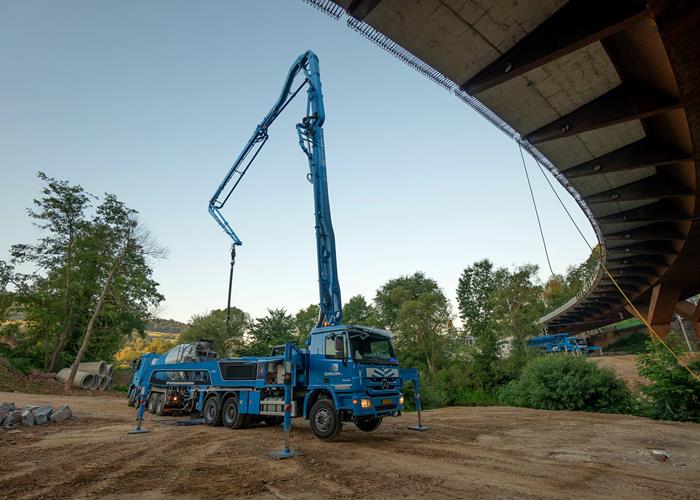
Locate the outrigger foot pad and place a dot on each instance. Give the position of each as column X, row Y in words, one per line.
column 282, row 454
column 419, row 428
column 138, row 431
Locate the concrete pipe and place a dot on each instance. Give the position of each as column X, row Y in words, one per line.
column 110, row 370
column 95, row 382
column 104, row 382
column 82, row 380
column 96, row 367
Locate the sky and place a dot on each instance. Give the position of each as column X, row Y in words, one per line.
column 152, row 101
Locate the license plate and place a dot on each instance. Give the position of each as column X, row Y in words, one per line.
column 387, row 402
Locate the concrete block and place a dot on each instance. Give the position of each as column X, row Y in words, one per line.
column 63, row 413
column 42, row 414
column 28, row 417
column 5, row 408
column 13, row 419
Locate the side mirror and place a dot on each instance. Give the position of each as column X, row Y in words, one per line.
column 339, row 347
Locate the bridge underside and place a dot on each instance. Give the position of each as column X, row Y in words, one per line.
column 607, row 95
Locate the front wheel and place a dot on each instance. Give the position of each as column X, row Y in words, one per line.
column 325, row 420
column 368, row 424
column 212, row 415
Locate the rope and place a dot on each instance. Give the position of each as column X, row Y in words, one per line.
column 537, row 214
column 637, row 313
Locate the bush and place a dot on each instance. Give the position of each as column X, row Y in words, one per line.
column 566, row 382
column 674, row 394
column 633, row 343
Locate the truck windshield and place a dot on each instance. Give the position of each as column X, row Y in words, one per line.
column 368, row 347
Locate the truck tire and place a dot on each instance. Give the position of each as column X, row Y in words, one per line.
column 160, row 405
column 368, row 424
column 151, row 405
column 230, row 416
column 212, row 411
column 325, row 420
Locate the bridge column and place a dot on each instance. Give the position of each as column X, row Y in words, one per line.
column 690, row 312
column 661, row 308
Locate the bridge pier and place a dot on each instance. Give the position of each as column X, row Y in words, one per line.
column 660, row 310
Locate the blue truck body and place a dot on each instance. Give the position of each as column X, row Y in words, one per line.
column 344, row 374
column 561, row 342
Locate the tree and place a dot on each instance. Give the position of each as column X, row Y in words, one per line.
column 418, row 313
column 60, row 212
column 674, row 393
column 517, row 305
column 357, row 311
column 304, row 321
column 422, row 329
column 276, row 328
column 118, row 249
column 476, row 285
column 394, row 293
column 212, row 326
column 6, row 296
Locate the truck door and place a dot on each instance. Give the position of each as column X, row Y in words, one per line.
column 332, row 366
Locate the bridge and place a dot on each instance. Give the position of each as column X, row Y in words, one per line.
column 606, row 96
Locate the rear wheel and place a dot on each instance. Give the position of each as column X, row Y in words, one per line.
column 231, row 416
column 211, row 411
column 151, row 407
column 325, row 420
column 160, row 405
column 368, row 424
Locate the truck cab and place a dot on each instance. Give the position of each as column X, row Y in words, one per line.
column 355, row 370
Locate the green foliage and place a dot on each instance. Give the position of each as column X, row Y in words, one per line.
column 394, row 293
column 419, row 315
column 566, row 382
column 674, row 393
column 498, row 307
column 634, row 343
column 275, row 328
column 304, row 321
column 560, row 288
column 357, row 311
column 212, row 327
column 91, row 280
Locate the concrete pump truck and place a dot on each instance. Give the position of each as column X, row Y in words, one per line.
column 345, row 373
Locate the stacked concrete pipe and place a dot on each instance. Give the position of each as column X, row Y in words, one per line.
column 94, row 375
column 82, row 380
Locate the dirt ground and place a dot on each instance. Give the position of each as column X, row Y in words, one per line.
column 489, row 452
column 625, row 365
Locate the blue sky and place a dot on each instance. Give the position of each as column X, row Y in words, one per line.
column 153, row 100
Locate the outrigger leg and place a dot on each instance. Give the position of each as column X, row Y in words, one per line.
column 143, row 396
column 412, row 375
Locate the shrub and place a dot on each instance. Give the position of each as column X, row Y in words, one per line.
column 674, row 393
column 566, row 382
column 633, row 343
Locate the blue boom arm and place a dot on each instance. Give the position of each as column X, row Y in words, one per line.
column 310, row 133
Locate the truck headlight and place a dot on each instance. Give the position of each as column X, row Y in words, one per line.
column 401, row 399
column 366, row 403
